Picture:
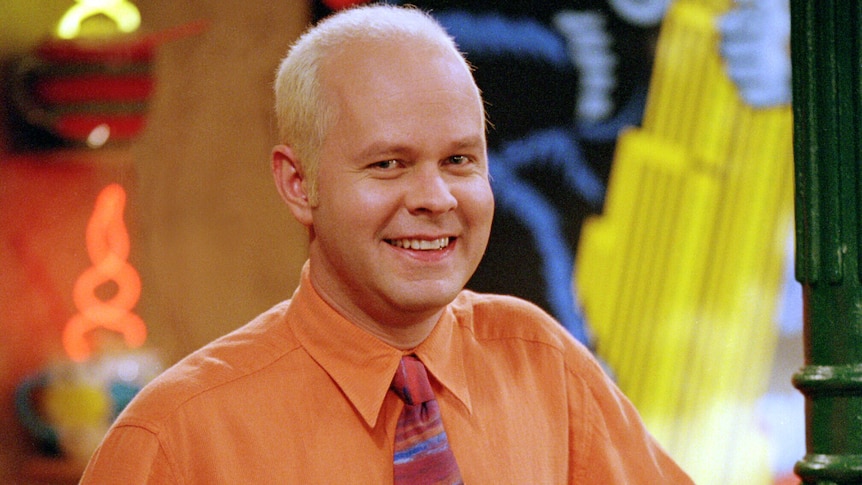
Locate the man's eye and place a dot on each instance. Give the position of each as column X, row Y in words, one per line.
column 386, row 164
column 459, row 160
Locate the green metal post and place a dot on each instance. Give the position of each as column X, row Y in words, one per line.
column 826, row 51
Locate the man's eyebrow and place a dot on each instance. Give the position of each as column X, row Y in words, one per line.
column 382, row 149
column 472, row 141
column 386, row 149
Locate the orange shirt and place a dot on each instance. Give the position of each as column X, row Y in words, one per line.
column 300, row 395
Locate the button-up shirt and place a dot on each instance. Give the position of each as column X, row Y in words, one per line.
column 301, row 395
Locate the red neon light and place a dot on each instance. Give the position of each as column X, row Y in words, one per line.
column 108, row 249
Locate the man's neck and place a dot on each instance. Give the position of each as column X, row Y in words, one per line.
column 402, row 331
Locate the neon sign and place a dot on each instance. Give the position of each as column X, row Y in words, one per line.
column 108, row 249
column 124, row 13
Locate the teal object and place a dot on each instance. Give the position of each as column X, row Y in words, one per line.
column 28, row 413
column 826, row 53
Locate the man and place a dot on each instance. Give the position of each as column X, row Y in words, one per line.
column 384, row 161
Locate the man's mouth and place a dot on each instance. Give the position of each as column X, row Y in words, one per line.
column 420, row 244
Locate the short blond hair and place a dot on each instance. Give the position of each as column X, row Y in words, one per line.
column 302, row 112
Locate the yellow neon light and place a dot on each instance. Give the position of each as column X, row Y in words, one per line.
column 124, row 13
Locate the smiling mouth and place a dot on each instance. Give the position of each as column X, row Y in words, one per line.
column 420, row 244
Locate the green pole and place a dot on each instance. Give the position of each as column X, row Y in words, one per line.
column 826, row 52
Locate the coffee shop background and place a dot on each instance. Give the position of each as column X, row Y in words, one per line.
column 213, row 245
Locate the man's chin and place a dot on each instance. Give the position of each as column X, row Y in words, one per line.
column 428, row 297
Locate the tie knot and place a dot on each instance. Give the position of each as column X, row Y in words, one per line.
column 411, row 381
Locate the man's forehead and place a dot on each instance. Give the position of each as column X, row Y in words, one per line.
column 367, row 57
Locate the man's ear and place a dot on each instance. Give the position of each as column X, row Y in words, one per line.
column 291, row 184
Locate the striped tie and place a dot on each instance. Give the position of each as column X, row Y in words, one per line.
column 422, row 454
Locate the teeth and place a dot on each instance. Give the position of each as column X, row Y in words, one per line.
column 421, row 244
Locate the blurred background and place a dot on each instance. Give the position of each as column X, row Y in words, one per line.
column 640, row 159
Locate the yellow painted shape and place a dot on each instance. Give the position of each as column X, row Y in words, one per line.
column 679, row 277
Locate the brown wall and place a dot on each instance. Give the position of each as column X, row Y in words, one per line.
column 212, row 241
column 218, row 245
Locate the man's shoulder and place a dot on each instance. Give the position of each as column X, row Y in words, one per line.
column 491, row 302
column 512, row 326
column 492, row 316
column 226, row 360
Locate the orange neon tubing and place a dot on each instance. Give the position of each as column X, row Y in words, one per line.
column 108, row 248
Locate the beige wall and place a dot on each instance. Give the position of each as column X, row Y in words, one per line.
column 213, row 242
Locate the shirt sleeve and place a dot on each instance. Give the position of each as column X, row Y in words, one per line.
column 616, row 447
column 129, row 455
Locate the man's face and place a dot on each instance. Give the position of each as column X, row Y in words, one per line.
column 405, row 205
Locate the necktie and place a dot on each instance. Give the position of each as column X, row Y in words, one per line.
column 422, row 454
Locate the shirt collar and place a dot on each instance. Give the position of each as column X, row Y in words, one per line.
column 361, row 364
column 443, row 355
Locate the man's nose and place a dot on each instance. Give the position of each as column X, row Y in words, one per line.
column 429, row 191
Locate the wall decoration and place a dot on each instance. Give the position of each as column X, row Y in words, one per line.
column 69, row 286
column 682, row 275
column 108, row 249
column 124, row 14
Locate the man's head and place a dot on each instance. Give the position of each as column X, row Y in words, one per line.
column 401, row 208
column 303, row 112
